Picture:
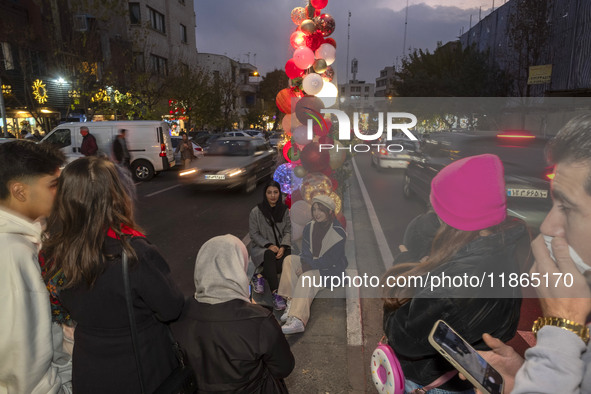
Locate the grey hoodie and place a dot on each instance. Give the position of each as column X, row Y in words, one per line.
column 32, row 359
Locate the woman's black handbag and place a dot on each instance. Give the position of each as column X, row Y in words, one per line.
column 182, row 379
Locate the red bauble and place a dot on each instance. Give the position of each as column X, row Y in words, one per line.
column 342, row 220
column 296, row 195
column 313, row 160
column 326, row 140
column 313, row 41
column 288, row 200
column 315, row 12
column 292, row 70
column 335, row 184
column 283, row 100
column 319, row 3
column 327, row 171
column 330, row 41
column 324, row 130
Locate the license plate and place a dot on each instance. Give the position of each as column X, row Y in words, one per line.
column 215, row 177
column 531, row 193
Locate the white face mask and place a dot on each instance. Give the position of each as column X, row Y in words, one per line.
column 573, row 255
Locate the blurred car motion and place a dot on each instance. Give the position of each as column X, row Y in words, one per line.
column 231, row 163
column 527, row 175
column 396, row 153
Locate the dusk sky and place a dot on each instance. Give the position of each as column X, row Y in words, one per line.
column 262, row 27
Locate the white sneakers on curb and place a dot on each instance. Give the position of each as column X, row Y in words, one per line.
column 285, row 315
column 293, row 326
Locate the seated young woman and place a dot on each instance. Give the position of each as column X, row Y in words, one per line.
column 234, row 346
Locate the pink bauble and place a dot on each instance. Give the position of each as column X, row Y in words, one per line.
column 303, row 57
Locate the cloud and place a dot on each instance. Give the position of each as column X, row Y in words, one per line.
column 236, row 27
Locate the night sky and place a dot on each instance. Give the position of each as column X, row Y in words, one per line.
column 262, row 27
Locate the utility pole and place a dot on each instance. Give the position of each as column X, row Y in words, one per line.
column 480, row 14
column 470, row 22
column 348, row 39
column 405, row 27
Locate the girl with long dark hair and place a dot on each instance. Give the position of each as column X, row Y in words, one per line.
column 475, row 239
column 270, row 235
column 90, row 227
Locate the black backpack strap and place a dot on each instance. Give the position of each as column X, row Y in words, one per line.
column 134, row 336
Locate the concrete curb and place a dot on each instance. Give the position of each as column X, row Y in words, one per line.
column 354, row 327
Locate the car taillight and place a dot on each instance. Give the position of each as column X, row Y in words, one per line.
column 383, row 152
column 549, row 173
column 162, row 150
column 198, row 149
column 515, row 138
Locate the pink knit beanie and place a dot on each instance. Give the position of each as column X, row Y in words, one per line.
column 469, row 194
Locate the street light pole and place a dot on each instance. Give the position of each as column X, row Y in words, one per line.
column 3, row 110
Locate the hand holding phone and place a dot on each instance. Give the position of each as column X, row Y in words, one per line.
column 465, row 359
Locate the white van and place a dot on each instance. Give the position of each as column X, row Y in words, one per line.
column 148, row 142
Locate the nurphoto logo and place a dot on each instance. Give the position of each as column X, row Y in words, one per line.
column 392, row 119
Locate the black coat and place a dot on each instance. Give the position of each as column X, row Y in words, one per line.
column 103, row 359
column 234, row 347
column 408, row 327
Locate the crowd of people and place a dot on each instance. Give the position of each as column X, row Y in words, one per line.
column 66, row 232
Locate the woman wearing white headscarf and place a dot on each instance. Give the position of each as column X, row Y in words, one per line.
column 233, row 346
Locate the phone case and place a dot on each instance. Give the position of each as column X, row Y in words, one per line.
column 453, row 362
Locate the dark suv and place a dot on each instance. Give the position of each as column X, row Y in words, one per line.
column 527, row 176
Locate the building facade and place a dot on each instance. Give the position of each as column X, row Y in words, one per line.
column 385, row 82
column 553, row 37
column 63, row 59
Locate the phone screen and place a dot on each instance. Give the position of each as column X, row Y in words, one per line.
column 466, row 356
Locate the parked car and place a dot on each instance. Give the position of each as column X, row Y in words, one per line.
column 3, row 140
column 396, row 153
column 148, row 142
column 232, row 162
column 527, row 176
column 200, row 137
column 197, row 149
column 237, row 133
column 275, row 138
column 255, row 133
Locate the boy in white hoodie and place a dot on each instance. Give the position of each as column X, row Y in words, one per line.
column 31, row 354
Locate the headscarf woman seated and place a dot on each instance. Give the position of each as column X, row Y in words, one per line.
column 233, row 346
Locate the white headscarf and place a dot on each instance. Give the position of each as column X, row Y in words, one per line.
column 220, row 271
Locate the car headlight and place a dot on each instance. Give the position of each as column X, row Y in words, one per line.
column 231, row 172
column 188, row 172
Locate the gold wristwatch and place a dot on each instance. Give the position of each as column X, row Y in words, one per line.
column 579, row 329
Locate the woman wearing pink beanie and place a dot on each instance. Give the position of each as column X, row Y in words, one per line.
column 475, row 238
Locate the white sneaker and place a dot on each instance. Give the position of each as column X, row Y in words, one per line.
column 285, row 315
column 293, row 326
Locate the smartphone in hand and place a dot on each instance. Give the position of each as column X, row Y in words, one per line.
column 465, row 359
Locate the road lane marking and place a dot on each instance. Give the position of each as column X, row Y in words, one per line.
column 516, row 214
column 162, row 191
column 386, row 253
